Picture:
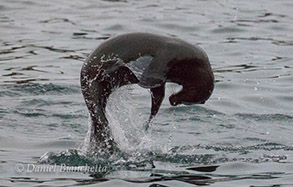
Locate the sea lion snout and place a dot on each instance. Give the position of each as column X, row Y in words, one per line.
column 174, row 100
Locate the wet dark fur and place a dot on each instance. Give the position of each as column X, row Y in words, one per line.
column 174, row 60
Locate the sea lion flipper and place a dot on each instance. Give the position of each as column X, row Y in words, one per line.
column 152, row 78
column 158, row 94
column 156, row 73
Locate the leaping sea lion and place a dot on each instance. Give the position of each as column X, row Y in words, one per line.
column 172, row 60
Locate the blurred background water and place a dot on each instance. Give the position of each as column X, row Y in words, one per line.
column 241, row 137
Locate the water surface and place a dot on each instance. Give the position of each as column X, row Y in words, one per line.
column 241, row 137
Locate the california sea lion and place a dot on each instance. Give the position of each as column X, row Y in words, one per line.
column 173, row 60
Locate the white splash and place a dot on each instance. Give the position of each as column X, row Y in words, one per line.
column 127, row 110
column 87, row 145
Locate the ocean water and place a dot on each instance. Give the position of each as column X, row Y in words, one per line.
column 242, row 136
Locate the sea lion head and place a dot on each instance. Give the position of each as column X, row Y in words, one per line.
column 189, row 96
column 197, row 80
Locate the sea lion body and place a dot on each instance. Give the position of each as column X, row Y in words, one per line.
column 173, row 60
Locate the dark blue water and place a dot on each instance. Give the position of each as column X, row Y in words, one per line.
column 241, row 137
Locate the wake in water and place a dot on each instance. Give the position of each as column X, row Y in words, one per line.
column 135, row 148
column 127, row 110
column 141, row 156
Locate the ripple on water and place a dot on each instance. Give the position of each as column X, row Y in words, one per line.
column 267, row 117
column 225, row 30
column 33, row 89
column 146, row 167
